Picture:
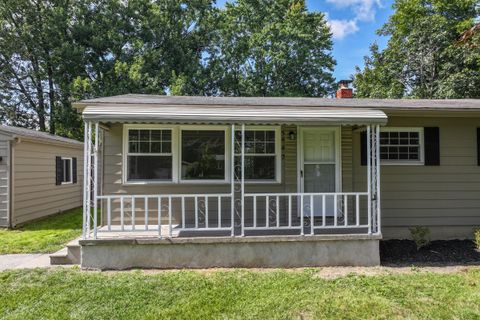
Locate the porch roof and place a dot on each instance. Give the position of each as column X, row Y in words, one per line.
column 144, row 113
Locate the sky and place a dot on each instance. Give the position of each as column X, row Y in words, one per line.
column 353, row 24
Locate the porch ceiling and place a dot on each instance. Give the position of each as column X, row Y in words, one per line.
column 233, row 114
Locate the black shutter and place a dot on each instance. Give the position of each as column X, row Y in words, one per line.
column 58, row 170
column 478, row 146
column 432, row 146
column 74, row 170
column 363, row 148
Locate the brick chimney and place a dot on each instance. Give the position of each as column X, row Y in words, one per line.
column 344, row 92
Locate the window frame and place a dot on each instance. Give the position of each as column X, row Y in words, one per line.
column 126, row 153
column 277, row 154
column 177, row 153
column 421, row 144
column 70, row 159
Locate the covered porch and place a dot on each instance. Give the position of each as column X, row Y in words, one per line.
column 240, row 204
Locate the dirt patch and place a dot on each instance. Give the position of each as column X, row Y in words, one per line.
column 437, row 253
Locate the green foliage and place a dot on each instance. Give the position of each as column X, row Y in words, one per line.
column 476, row 238
column 278, row 294
column 53, row 52
column 423, row 58
column 47, row 235
column 271, row 48
column 420, row 236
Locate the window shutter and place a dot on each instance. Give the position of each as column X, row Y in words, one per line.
column 478, row 146
column 363, row 148
column 58, row 170
column 431, row 136
column 74, row 170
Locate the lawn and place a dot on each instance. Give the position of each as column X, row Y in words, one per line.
column 43, row 236
column 241, row 294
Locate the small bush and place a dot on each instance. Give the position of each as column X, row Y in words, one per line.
column 476, row 238
column 420, row 236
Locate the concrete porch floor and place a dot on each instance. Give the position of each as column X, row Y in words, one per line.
column 140, row 232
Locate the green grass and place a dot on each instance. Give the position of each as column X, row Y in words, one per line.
column 43, row 236
column 241, row 294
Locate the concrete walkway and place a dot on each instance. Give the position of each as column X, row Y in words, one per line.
column 21, row 261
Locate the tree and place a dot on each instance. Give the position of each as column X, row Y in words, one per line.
column 423, row 58
column 270, row 48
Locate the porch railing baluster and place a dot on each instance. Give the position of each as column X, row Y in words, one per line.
column 345, row 210
column 146, row 213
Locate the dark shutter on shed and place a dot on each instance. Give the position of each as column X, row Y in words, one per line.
column 431, row 136
column 478, row 146
column 363, row 148
column 74, row 170
column 58, row 170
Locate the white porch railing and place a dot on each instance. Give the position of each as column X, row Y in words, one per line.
column 171, row 215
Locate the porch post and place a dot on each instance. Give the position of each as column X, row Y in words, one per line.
column 378, row 179
column 369, row 181
column 85, row 177
column 243, row 181
column 232, row 180
column 88, row 180
column 95, row 179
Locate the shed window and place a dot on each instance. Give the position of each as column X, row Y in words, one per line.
column 67, row 170
column 149, row 155
column 401, row 145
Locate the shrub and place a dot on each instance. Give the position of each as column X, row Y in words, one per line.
column 476, row 237
column 420, row 236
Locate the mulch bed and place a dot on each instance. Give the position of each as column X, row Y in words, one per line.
column 442, row 252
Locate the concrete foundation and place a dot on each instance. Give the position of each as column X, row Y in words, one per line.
column 246, row 252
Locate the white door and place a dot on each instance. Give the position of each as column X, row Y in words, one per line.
column 319, row 168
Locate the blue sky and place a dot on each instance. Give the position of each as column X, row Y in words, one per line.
column 353, row 23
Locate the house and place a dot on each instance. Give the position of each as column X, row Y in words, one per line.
column 38, row 174
column 273, row 182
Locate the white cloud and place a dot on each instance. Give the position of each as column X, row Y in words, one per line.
column 342, row 28
column 364, row 11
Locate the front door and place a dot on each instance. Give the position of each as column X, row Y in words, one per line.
column 319, row 156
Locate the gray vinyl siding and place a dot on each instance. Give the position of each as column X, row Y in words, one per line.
column 4, row 180
column 35, row 194
column 444, row 198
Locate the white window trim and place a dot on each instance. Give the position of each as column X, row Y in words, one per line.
column 125, row 153
column 420, row 161
column 71, row 170
column 278, row 154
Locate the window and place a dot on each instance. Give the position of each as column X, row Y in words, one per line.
column 149, row 155
column 203, row 155
column 195, row 154
column 261, row 156
column 67, row 170
column 401, row 145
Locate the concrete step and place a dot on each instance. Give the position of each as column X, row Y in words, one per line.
column 71, row 254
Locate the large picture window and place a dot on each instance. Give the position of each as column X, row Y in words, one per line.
column 401, row 145
column 149, row 155
column 203, row 155
column 260, row 154
column 198, row 154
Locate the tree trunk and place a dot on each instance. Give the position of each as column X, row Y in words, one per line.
column 51, row 96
